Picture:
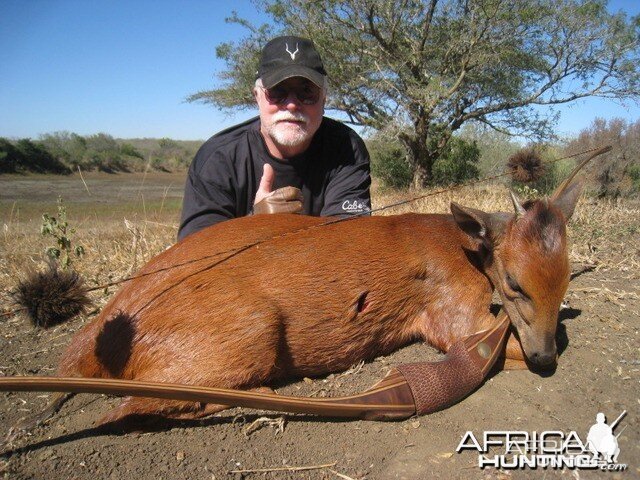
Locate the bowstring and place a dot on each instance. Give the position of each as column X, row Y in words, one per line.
column 237, row 250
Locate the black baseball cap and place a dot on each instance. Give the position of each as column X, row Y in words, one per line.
column 290, row 56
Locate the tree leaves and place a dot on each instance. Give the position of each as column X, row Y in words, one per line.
column 432, row 66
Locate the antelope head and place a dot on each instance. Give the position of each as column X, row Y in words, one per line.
column 526, row 259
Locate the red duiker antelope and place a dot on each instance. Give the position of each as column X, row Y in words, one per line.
column 310, row 299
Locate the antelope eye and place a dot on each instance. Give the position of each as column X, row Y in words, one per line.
column 513, row 285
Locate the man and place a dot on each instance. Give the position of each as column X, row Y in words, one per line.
column 289, row 159
column 602, row 441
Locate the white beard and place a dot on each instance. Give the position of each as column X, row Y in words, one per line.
column 287, row 134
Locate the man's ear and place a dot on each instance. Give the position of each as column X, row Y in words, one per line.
column 483, row 227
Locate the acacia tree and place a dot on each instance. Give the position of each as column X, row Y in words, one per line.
column 427, row 67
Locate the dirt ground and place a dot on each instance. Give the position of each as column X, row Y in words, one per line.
column 598, row 371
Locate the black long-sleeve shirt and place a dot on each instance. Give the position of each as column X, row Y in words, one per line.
column 333, row 175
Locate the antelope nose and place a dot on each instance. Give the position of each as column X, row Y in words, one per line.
column 545, row 358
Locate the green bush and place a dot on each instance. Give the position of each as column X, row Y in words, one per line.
column 634, row 174
column 457, row 164
column 160, row 164
column 389, row 163
column 9, row 157
column 108, row 161
column 64, row 152
column 28, row 156
column 130, row 151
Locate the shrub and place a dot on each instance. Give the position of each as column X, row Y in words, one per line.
column 457, row 164
column 10, row 157
column 130, row 151
column 389, row 163
column 34, row 157
column 64, row 152
column 634, row 174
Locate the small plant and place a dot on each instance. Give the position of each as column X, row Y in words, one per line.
column 59, row 230
column 525, row 192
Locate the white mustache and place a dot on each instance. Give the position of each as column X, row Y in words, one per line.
column 290, row 116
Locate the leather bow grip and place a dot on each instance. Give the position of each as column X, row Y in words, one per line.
column 282, row 200
column 439, row 385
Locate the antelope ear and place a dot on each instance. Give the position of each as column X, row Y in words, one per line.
column 483, row 227
column 567, row 198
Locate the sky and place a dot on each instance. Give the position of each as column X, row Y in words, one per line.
column 126, row 67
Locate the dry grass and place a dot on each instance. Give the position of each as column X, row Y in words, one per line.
column 122, row 221
column 113, row 250
column 604, row 234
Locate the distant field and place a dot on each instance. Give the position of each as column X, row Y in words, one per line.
column 24, row 198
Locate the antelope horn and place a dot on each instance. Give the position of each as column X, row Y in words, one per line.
column 561, row 188
column 409, row 389
column 520, row 211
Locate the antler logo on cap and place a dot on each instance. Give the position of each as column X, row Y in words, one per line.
column 293, row 54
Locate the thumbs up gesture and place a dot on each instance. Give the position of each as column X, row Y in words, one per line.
column 282, row 200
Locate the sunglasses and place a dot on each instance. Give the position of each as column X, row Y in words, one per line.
column 307, row 94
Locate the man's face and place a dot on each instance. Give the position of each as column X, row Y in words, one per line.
column 288, row 116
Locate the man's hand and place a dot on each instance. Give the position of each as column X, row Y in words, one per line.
column 282, row 200
column 264, row 189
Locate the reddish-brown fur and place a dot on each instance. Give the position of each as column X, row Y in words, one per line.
column 311, row 300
